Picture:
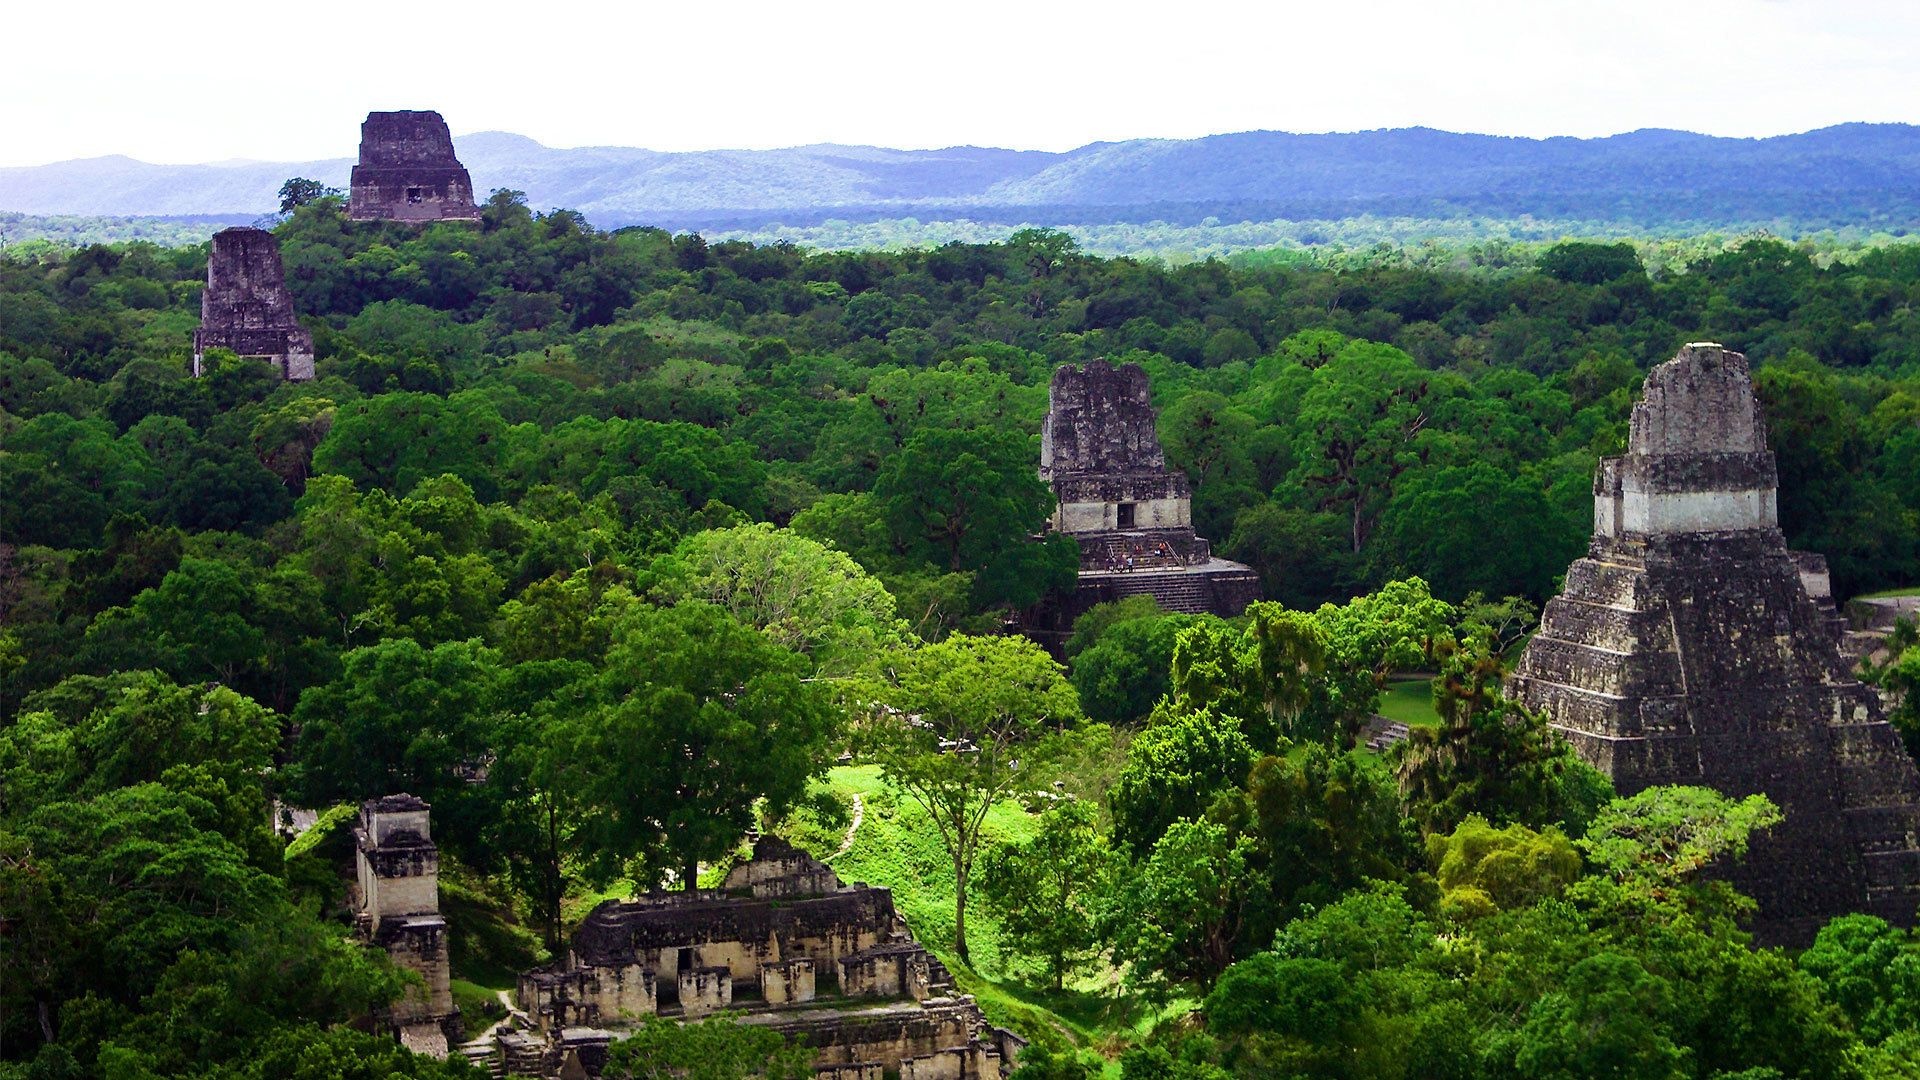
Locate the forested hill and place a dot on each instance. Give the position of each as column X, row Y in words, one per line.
column 1853, row 175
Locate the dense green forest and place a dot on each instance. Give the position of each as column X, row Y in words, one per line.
column 610, row 543
column 28, row 236
column 1456, row 242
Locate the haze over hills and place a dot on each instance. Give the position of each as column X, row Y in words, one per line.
column 1852, row 175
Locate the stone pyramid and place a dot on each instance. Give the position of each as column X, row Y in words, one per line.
column 246, row 306
column 1684, row 649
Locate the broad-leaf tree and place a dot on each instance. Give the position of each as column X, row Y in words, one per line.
column 960, row 724
column 700, row 719
column 1045, row 890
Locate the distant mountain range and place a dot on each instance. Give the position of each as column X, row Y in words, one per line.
column 1849, row 175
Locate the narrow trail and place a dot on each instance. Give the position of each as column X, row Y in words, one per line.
column 859, row 814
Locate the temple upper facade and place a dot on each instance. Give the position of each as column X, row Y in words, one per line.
column 408, row 171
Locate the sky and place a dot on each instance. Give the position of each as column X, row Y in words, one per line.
column 216, row 80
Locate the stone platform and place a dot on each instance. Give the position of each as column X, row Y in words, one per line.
column 246, row 306
column 1130, row 514
column 1687, row 648
column 408, row 172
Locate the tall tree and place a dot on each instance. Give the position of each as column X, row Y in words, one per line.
column 1044, row 889
column 1175, row 766
column 962, row 724
column 803, row 595
column 1360, row 425
column 958, row 497
column 1491, row 756
column 700, row 718
column 300, row 191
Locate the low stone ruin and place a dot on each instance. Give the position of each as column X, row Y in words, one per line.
column 783, row 941
column 1691, row 647
column 1131, row 514
column 247, row 308
column 408, row 171
column 397, row 909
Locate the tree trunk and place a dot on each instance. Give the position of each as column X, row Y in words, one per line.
column 960, row 907
column 693, row 874
column 555, row 886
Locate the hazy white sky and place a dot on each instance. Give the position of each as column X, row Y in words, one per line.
column 209, row 80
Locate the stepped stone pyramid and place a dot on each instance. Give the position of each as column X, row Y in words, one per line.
column 247, row 308
column 1685, row 649
column 408, row 171
column 1131, row 515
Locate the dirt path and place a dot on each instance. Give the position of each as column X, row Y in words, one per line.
column 859, row 814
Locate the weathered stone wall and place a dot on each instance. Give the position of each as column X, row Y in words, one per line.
column 1686, row 649
column 1118, row 500
column 246, row 307
column 892, row 1037
column 704, row 990
column 688, row 953
column 788, row 982
column 588, row 996
column 1099, row 450
column 397, row 871
column 419, row 945
column 1100, row 419
column 667, row 931
column 886, row 971
column 1104, row 515
column 1700, row 402
column 1697, row 457
column 952, row 1063
column 396, row 862
column 779, row 870
column 408, row 171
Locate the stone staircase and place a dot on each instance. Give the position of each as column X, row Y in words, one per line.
column 1173, row 590
column 1382, row 734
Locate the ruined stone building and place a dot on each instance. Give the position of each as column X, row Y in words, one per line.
column 784, row 941
column 1131, row 514
column 408, row 171
column 247, row 308
column 1688, row 647
column 397, row 869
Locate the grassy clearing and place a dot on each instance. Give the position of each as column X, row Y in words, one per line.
column 1886, row 594
column 488, row 945
column 479, row 1006
column 1410, row 701
column 898, row 847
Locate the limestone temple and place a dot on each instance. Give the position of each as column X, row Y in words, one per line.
column 408, row 171
column 247, row 308
column 783, row 941
column 1131, row 514
column 398, row 909
column 1688, row 647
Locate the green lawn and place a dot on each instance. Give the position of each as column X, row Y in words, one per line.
column 1910, row 590
column 479, row 1006
column 1409, row 701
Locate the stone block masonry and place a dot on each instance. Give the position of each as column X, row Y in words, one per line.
column 408, row 172
column 247, row 308
column 1690, row 646
column 397, row 910
column 1131, row 515
column 830, row 966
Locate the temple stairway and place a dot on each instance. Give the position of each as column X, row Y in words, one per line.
column 1174, row 590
